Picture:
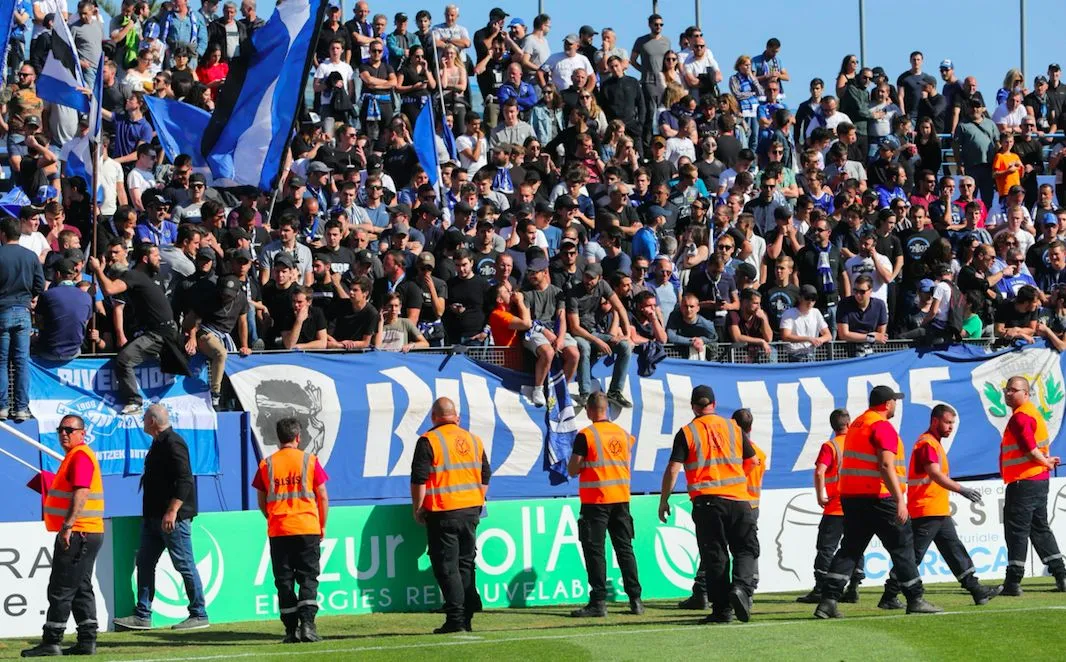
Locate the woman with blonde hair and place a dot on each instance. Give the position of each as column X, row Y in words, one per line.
column 587, row 101
column 727, row 105
column 1012, row 81
column 453, row 82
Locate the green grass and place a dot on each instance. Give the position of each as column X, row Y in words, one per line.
column 1030, row 627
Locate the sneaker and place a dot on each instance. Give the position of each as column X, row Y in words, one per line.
column 720, row 617
column 1011, row 590
column 449, row 628
column 741, row 604
column 812, row 598
column 851, row 594
column 133, row 623
column 921, row 606
column 259, row 345
column 827, row 608
column 81, row 648
column 983, row 594
column 21, row 415
column 696, row 601
column 309, row 632
column 43, row 650
column 617, row 398
column 636, row 607
column 889, row 602
column 132, row 409
column 580, row 399
column 591, row 610
column 538, row 397
column 216, row 400
column 193, row 623
column 4, row 414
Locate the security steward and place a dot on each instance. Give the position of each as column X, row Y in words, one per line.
column 831, row 526
column 872, row 474
column 715, row 455
column 74, row 510
column 292, row 495
column 600, row 459
column 449, row 477
column 928, row 485
column 753, row 474
column 1025, row 464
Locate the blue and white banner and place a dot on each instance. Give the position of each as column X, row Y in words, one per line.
column 61, row 78
column 363, row 413
column 89, row 388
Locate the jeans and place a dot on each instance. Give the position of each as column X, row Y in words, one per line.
column 984, row 181
column 133, row 354
column 1025, row 519
column 597, row 520
column 15, row 350
column 70, row 587
column 623, row 349
column 179, row 544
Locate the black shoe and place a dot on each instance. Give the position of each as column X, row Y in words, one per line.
column 43, row 650
column 718, row 617
column 921, row 606
column 309, row 632
column 1011, row 590
column 592, row 609
column 81, row 648
column 449, row 628
column 982, row 594
column 1060, row 583
column 636, row 607
column 827, row 608
column 812, row 598
column 617, row 398
column 741, row 604
column 579, row 400
column 292, row 636
column 889, row 602
column 696, row 601
column 851, row 594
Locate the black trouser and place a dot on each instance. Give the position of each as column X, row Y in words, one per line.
column 1025, row 519
column 295, row 561
column 452, row 538
column 133, row 354
column 830, row 530
column 984, row 181
column 70, row 587
column 376, row 129
column 597, row 520
column 864, row 518
column 941, row 530
column 724, row 528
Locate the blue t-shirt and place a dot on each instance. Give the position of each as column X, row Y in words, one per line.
column 862, row 321
column 129, row 134
column 645, row 244
column 62, row 313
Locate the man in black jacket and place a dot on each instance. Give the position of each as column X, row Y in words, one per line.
column 855, row 103
column 623, row 98
column 169, row 506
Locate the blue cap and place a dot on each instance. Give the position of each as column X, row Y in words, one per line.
column 655, row 211
column 889, row 142
column 516, row 21
column 1049, row 218
column 44, row 194
column 926, row 285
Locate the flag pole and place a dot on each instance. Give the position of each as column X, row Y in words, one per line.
column 94, row 211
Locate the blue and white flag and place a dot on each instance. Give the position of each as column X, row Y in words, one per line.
column 7, row 13
column 61, row 81
column 449, row 141
column 246, row 139
column 89, row 388
column 13, row 201
column 560, row 426
column 77, row 155
column 96, row 118
column 179, row 126
column 425, row 143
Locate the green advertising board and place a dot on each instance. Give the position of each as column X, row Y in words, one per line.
column 374, row 560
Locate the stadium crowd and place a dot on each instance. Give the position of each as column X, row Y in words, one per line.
column 600, row 201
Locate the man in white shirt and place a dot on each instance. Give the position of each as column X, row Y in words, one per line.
column 561, row 66
column 698, row 61
column 868, row 262
column 142, row 177
column 450, row 32
column 1010, row 114
column 803, row 327
column 334, row 64
column 472, row 146
column 828, row 117
column 30, row 238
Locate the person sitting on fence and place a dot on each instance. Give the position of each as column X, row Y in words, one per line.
column 547, row 337
column 646, row 323
column 861, row 319
column 750, row 327
column 687, row 328
column 582, row 306
column 1017, row 321
column 804, row 328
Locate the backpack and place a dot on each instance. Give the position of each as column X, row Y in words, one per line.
column 956, row 314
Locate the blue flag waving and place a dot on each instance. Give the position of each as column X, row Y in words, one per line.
column 7, row 13
column 561, row 428
column 61, row 81
column 179, row 126
column 425, row 143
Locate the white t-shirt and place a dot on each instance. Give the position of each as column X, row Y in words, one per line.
column 678, row 147
column 141, row 180
column 34, row 241
column 695, row 66
column 325, row 69
column 758, row 251
column 1009, row 118
column 465, row 142
column 109, row 176
column 810, row 325
column 562, row 68
column 864, row 266
column 942, row 293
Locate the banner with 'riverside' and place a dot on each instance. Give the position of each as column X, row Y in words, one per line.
column 374, row 557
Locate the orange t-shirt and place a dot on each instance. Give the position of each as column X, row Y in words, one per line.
column 504, row 336
column 1004, row 179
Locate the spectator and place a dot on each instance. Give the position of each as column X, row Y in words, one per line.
column 141, row 178
column 465, row 316
column 1017, row 320
column 646, row 322
column 398, row 334
column 910, row 84
column 308, row 330
column 685, row 326
column 1010, row 114
column 663, row 284
column 358, row 328
column 803, row 327
column 1014, row 274
column 299, row 254
column 977, row 277
column 973, row 145
column 62, row 314
column 861, row 319
column 820, row 265
column 582, row 305
column 780, row 292
column 750, row 327
column 21, row 281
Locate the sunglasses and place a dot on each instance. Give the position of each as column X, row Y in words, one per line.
column 863, row 291
column 725, row 247
column 67, row 429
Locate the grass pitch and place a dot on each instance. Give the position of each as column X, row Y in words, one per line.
column 1032, row 627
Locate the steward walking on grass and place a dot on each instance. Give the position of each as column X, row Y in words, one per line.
column 600, row 459
column 292, row 495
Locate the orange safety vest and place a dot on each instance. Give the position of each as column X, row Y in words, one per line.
column 924, row 497
column 754, row 474
column 60, row 493
column 859, row 469
column 1014, row 461
column 832, row 477
column 291, row 506
column 715, row 463
column 604, row 476
column 455, row 477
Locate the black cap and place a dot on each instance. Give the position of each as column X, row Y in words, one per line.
column 364, row 257
column 430, row 209
column 524, row 209
column 809, row 292
column 197, row 177
column 882, row 394
column 284, row 259
column 205, row 253
column 297, row 181
column 238, row 255
column 565, row 202
column 783, row 213
column 748, row 270
column 497, row 14
column 374, row 162
column 65, row 267
column 462, row 208
column 538, row 264
column 400, row 208
column 400, row 17
column 544, row 207
column 587, row 31
column 594, row 269
column 702, row 396
column 240, row 233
